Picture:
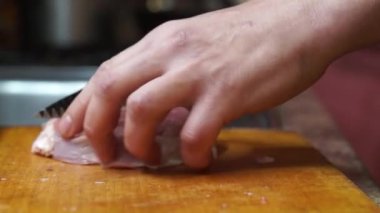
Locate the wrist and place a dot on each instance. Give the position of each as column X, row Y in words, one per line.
column 340, row 27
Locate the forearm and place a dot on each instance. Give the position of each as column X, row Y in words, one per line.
column 344, row 26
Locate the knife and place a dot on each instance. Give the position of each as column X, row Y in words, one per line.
column 57, row 108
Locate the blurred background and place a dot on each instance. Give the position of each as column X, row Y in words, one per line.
column 50, row 48
column 84, row 32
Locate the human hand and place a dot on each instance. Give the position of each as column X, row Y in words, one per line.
column 219, row 65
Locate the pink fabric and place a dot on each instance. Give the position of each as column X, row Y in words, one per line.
column 350, row 91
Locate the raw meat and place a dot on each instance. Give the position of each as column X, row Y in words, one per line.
column 79, row 151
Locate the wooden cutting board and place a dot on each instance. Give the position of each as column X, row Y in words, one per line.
column 258, row 171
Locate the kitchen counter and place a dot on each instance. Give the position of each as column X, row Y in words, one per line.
column 305, row 115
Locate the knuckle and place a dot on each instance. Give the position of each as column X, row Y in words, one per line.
column 105, row 67
column 179, row 38
column 202, row 136
column 176, row 34
column 104, row 81
column 169, row 24
column 191, row 137
column 89, row 131
column 138, row 105
column 79, row 103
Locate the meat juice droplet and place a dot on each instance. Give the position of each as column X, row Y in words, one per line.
column 3, row 179
column 248, row 193
column 263, row 200
column 44, row 179
column 70, row 209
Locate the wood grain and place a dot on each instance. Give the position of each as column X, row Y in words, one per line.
column 258, row 171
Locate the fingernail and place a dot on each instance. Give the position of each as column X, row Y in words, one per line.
column 64, row 126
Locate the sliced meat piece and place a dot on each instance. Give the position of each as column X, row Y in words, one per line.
column 79, row 151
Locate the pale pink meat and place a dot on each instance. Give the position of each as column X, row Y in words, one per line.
column 79, row 151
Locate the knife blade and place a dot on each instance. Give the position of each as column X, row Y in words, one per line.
column 57, row 108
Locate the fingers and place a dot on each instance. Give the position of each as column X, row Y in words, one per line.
column 72, row 121
column 172, row 124
column 146, row 108
column 200, row 132
column 100, row 121
column 110, row 92
column 96, row 109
